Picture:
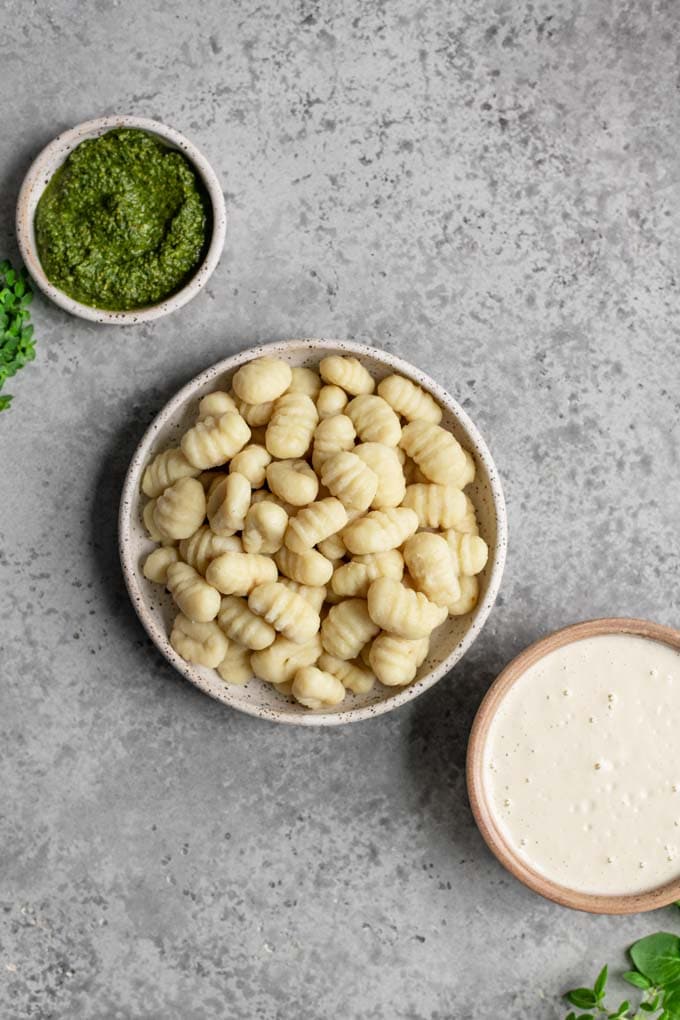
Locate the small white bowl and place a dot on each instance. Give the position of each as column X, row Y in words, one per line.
column 155, row 608
column 38, row 177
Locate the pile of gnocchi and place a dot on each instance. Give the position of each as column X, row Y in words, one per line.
column 313, row 529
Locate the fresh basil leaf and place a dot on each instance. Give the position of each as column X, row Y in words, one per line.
column 658, row 958
column 584, row 998
column 621, row 1011
column 633, row 977
column 5, row 401
column 601, row 982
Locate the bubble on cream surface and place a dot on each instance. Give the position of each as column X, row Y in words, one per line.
column 591, row 775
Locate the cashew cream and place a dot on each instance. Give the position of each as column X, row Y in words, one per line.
column 582, row 765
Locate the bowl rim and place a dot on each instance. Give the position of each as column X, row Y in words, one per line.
column 40, row 173
column 131, row 489
column 594, row 903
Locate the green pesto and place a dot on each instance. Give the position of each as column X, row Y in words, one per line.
column 123, row 223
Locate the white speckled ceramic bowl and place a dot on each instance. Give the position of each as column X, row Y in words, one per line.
column 38, row 177
column 154, row 606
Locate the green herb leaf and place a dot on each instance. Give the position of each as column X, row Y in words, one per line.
column 584, row 998
column 633, row 977
column 601, row 983
column 16, row 336
column 621, row 1011
column 658, row 958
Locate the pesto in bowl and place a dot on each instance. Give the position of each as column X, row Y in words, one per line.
column 123, row 223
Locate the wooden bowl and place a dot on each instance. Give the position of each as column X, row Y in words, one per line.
column 494, row 837
column 154, row 605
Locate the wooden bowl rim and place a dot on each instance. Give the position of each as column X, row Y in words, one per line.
column 632, row 903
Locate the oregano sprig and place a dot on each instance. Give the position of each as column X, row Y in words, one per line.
column 17, row 346
column 656, row 973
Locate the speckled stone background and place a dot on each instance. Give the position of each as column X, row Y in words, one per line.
column 490, row 190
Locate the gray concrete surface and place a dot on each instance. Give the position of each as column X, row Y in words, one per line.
column 490, row 190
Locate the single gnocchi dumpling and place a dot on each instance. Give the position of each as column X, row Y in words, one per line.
column 214, row 441
column 242, row 625
column 468, row 523
column 380, row 530
column 437, row 506
column 350, row 480
column 374, row 420
column 166, row 469
column 195, row 598
column 315, row 523
column 235, row 573
column 333, row 548
column 332, row 435
column 228, row 504
column 355, row 578
column 214, row 405
column 157, row 562
column 314, row 688
column 384, row 463
column 180, row 509
column 402, row 611
column 262, row 379
column 315, row 595
column 330, row 401
column 309, row 568
column 469, row 596
column 289, row 613
column 149, row 522
column 395, row 660
column 252, row 463
column 202, row 643
column 469, row 552
column 437, row 452
column 255, row 415
column 264, row 527
column 347, row 373
column 351, row 675
column 347, row 628
column 279, row 663
column 431, row 568
column 235, row 667
column 293, row 481
column 305, row 380
column 291, row 427
column 409, row 400
column 204, row 546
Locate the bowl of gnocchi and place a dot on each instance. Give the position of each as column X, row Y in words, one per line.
column 313, row 532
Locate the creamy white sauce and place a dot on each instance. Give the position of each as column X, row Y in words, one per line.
column 582, row 765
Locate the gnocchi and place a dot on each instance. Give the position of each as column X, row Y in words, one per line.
column 261, row 380
column 346, row 476
column 331, row 401
column 289, row 529
column 242, row 625
column 374, row 420
column 314, row 688
column 286, row 611
column 409, row 400
column 195, row 598
column 347, row 373
column 291, row 426
column 402, row 611
column 437, row 453
column 213, row 441
column 235, row 573
column 202, row 643
column 165, row 469
column 315, row 523
column 180, row 509
column 264, row 527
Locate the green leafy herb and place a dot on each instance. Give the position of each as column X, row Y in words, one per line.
column 17, row 346
column 657, row 975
